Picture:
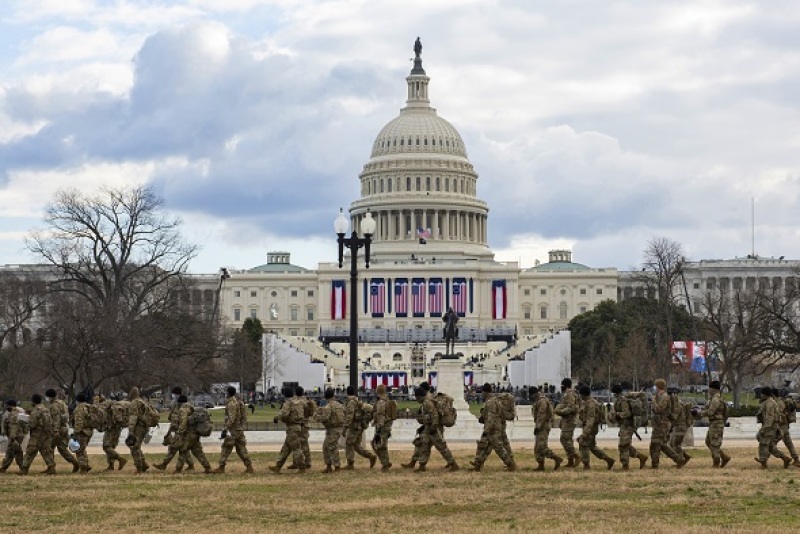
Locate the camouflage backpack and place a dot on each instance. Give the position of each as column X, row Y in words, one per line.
column 151, row 415
column 97, row 417
column 508, row 406
column 391, row 410
column 791, row 410
column 637, row 400
column 602, row 414
column 309, row 409
column 675, row 408
column 336, row 418
column 200, row 420
column 118, row 414
column 447, row 412
column 365, row 414
column 297, row 412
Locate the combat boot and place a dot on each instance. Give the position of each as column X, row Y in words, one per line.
column 680, row 463
column 178, row 469
column 75, row 467
column 476, row 466
column 122, row 462
column 386, row 467
column 221, row 470
column 725, row 459
column 686, row 458
column 539, row 465
column 716, row 463
column 586, row 466
column 796, row 461
column 160, row 466
column 3, row 469
column 610, row 462
column 328, row 469
column 452, row 467
column 50, row 470
column 292, row 467
column 275, row 468
column 190, row 467
column 409, row 465
column 350, row 466
column 110, row 466
column 625, row 467
column 557, row 460
column 570, row 461
column 421, row 468
column 786, row 462
column 249, row 469
column 23, row 471
column 336, row 468
column 207, row 470
column 763, row 464
column 642, row 460
column 372, row 460
column 511, row 467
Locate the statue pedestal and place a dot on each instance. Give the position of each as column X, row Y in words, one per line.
column 450, row 380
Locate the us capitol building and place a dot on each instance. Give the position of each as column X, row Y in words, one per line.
column 429, row 252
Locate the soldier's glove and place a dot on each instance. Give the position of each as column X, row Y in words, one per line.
column 535, row 431
column 421, row 429
column 224, row 434
column 481, row 420
column 275, row 419
column 130, row 441
column 167, row 440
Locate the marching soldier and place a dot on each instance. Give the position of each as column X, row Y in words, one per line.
column 112, row 431
column 432, row 433
column 788, row 412
column 681, row 422
column 543, row 421
column 567, row 410
column 589, row 415
column 186, row 437
column 769, row 433
column 716, row 412
column 417, row 442
column 15, row 429
column 235, row 419
column 354, row 431
column 622, row 414
column 382, row 420
column 137, row 429
column 169, row 438
column 59, row 419
column 661, row 423
column 332, row 418
column 493, row 431
column 39, row 442
column 292, row 416
column 82, row 431
column 309, row 407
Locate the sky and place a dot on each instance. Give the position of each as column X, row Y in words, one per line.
column 593, row 125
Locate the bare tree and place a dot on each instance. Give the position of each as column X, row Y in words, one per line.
column 778, row 311
column 20, row 298
column 118, row 259
column 634, row 362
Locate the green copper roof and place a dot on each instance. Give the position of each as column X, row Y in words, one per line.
column 560, row 266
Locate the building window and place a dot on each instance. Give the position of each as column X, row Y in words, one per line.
column 428, row 183
column 310, row 332
column 237, row 314
column 543, row 292
column 696, row 285
column 408, row 183
column 310, row 314
column 527, row 291
column 237, row 293
column 310, row 293
column 294, row 332
column 543, row 312
column 526, row 312
column 583, row 291
column 562, row 310
column 293, row 314
column 294, row 293
column 419, row 183
column 254, row 293
column 397, row 357
column 254, row 313
column 563, row 291
column 583, row 309
column 274, row 293
column 599, row 290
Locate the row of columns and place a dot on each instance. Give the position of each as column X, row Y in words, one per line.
column 447, row 225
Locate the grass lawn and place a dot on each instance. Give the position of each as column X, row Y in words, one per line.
column 740, row 498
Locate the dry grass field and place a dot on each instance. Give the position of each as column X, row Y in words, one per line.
column 740, row 498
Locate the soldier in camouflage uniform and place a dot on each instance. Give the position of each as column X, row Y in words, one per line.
column 309, row 407
column 417, row 442
column 769, row 433
column 292, row 416
column 788, row 416
column 82, row 431
column 332, row 418
column 15, row 430
column 39, row 442
column 681, row 422
column 235, row 419
column 186, row 437
column 59, row 418
column 137, row 427
column 567, row 410
column 622, row 414
column 111, row 434
column 382, row 422
column 433, row 432
column 542, row 411
column 354, row 431
column 715, row 411
column 589, row 415
column 493, row 430
column 169, row 438
column 661, row 425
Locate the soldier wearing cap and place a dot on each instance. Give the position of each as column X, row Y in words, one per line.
column 567, row 410
column 14, row 428
column 661, row 425
column 769, row 433
column 716, row 412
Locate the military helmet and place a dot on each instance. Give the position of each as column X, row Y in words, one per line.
column 73, row 445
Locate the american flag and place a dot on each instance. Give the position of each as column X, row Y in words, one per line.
column 338, row 299
column 499, row 304
column 401, row 297
column 459, row 301
column 424, row 234
column 435, row 290
column 377, row 297
column 418, row 297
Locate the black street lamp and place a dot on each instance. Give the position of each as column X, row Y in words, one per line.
column 353, row 243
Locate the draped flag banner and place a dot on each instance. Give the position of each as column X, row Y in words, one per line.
column 418, row 297
column 401, row 297
column 459, row 301
column 391, row 379
column 435, row 295
column 377, row 297
column 338, row 300
column 499, row 299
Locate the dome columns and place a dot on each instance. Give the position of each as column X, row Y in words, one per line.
column 444, row 224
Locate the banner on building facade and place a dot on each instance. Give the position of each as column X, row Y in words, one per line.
column 377, row 297
column 401, row 297
column 338, row 299
column 390, row 379
column 459, row 301
column 435, row 294
column 499, row 299
column 418, row 297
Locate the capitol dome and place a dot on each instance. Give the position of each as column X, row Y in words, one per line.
column 420, row 186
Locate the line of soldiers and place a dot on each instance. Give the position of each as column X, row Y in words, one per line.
column 48, row 423
column 48, row 429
